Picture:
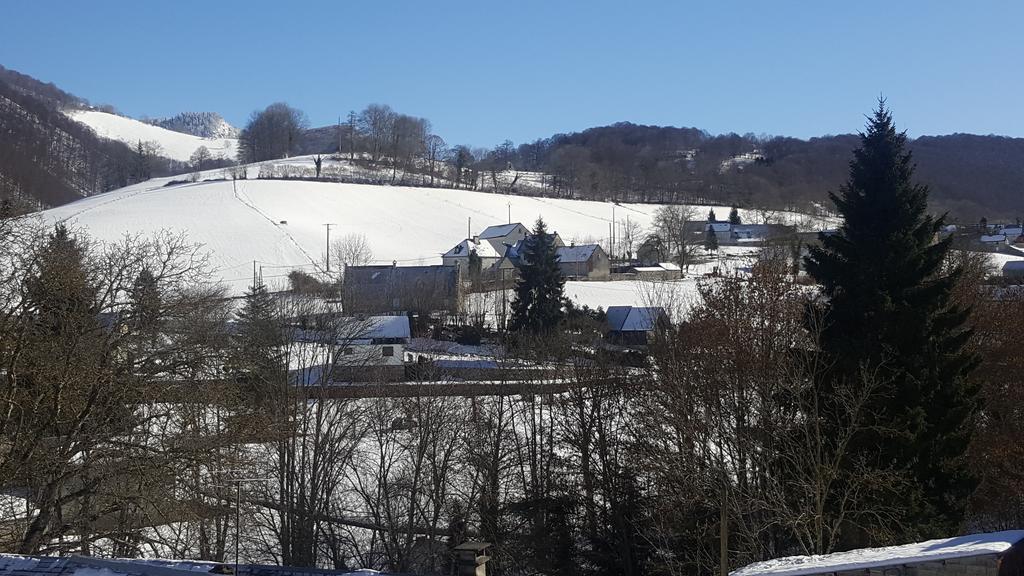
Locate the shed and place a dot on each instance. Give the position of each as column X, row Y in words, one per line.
column 971, row 555
column 633, row 325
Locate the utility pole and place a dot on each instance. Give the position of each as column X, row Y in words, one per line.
column 509, row 212
column 328, row 257
column 238, row 510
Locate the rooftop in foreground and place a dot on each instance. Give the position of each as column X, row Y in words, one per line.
column 866, row 559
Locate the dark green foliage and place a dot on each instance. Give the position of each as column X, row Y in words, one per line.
column 710, row 239
column 257, row 338
column 734, row 216
column 475, row 266
column 61, row 293
column 889, row 314
column 145, row 298
column 711, row 216
column 538, row 304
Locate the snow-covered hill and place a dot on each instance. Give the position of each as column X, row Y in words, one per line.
column 202, row 124
column 280, row 223
column 175, row 145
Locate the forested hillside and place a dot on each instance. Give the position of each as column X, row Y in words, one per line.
column 971, row 176
column 47, row 158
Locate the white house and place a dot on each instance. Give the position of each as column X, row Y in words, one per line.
column 373, row 341
column 458, row 255
column 502, row 236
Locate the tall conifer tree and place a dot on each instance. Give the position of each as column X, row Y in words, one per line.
column 889, row 313
column 538, row 304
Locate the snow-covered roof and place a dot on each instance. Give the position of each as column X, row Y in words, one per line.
column 15, row 565
column 462, row 249
column 993, row 238
column 670, row 266
column 1012, row 231
column 633, row 318
column 387, row 327
column 865, row 558
column 500, row 230
column 580, row 253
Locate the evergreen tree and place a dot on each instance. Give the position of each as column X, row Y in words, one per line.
column 889, row 314
column 711, row 216
column 145, row 299
column 538, row 304
column 734, row 216
column 710, row 239
column 257, row 338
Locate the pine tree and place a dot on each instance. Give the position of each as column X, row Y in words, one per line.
column 258, row 338
column 889, row 313
column 734, row 216
column 538, row 304
column 145, row 299
column 711, row 216
column 710, row 239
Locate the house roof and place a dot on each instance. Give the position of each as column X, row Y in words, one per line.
column 500, row 230
column 993, row 238
column 718, row 226
column 633, row 318
column 462, row 249
column 867, row 558
column 14, row 565
column 580, row 253
column 1014, row 265
column 388, row 327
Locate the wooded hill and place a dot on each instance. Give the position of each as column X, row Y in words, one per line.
column 46, row 158
column 970, row 176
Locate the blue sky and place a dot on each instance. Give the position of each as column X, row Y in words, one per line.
column 483, row 71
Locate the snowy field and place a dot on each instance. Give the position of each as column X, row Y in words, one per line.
column 280, row 224
column 174, row 145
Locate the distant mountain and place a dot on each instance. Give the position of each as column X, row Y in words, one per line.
column 174, row 145
column 202, row 124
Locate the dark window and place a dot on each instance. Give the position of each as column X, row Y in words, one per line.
column 387, row 351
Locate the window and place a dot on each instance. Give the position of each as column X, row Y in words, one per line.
column 349, row 351
column 387, row 351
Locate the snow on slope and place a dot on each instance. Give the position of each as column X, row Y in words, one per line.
column 279, row 223
column 176, row 145
column 410, row 225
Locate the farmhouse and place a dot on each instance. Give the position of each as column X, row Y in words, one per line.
column 502, row 236
column 389, row 289
column 459, row 255
column 584, row 261
column 991, row 554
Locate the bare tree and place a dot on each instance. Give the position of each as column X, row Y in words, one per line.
column 352, row 249
column 671, row 227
